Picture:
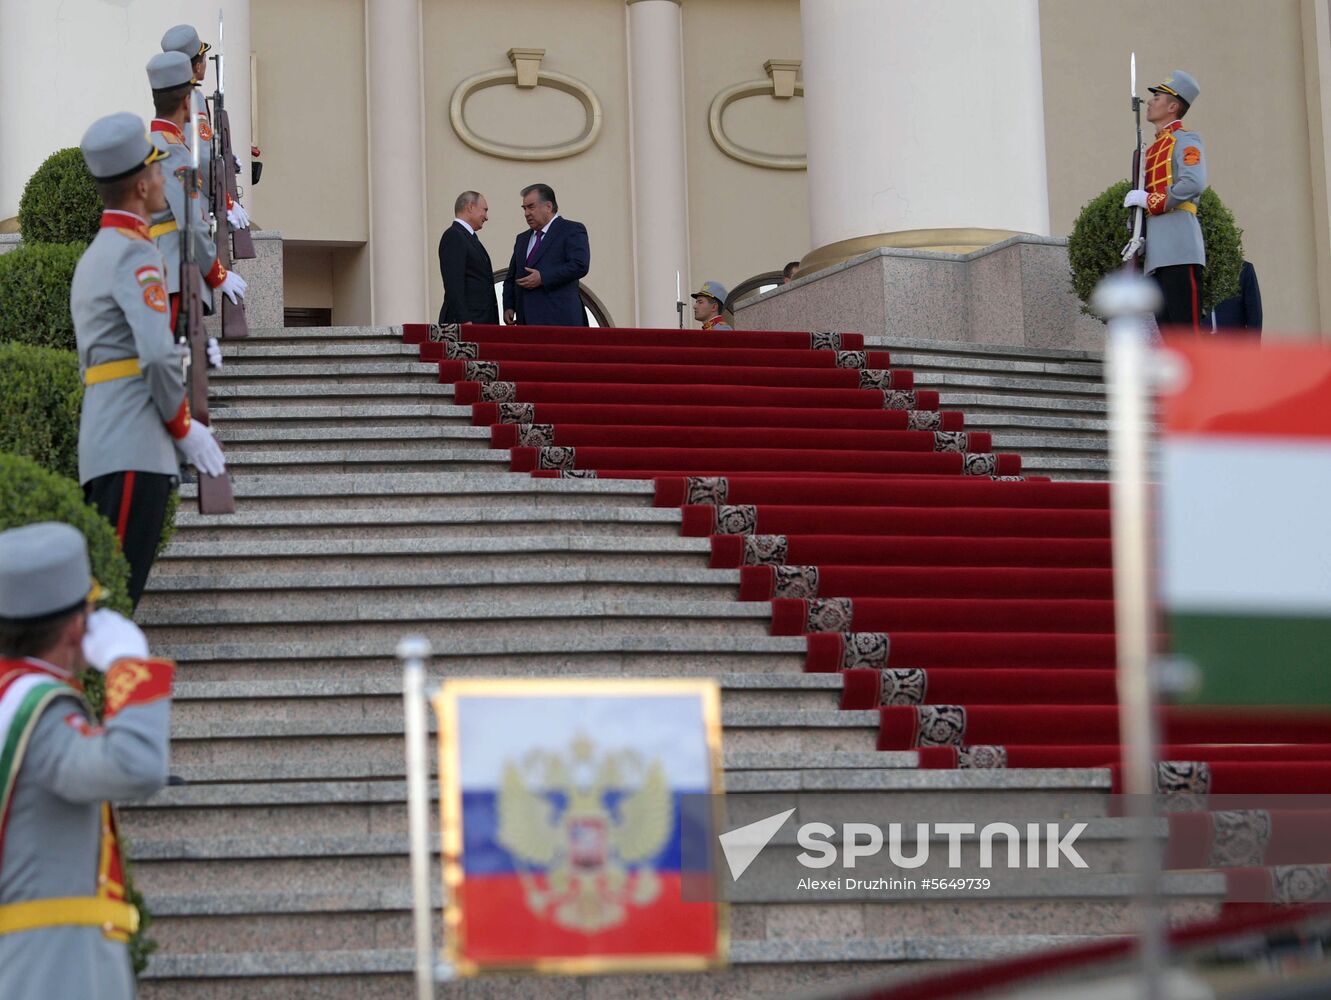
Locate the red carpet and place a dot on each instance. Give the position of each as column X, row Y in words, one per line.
column 906, row 727
column 802, row 438
column 865, row 688
column 1109, row 754
column 894, row 492
column 762, row 583
column 631, row 415
column 855, row 550
column 673, row 374
column 973, row 608
column 720, row 461
column 690, row 393
column 419, row 333
column 984, row 522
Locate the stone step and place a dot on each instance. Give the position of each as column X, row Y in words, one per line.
column 447, row 489
column 497, row 655
column 391, row 616
column 249, row 744
column 952, row 347
column 320, row 370
column 343, row 704
column 243, row 460
column 427, row 586
column 265, row 350
column 331, row 525
column 759, row 969
column 351, row 392
column 1035, row 368
column 977, row 405
column 403, row 415
column 254, row 438
column 321, row 334
column 240, row 807
column 429, row 551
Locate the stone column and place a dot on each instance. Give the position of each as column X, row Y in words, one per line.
column 395, row 110
column 660, row 190
column 925, row 124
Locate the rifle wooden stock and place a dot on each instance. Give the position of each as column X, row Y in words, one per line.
column 243, row 243
column 235, row 323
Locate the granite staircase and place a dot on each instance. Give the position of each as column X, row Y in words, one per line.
column 369, row 508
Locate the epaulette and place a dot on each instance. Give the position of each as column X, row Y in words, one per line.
column 172, row 139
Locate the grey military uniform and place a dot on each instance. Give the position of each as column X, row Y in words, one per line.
column 199, row 108
column 1175, row 180
column 53, row 839
column 118, row 304
column 177, row 162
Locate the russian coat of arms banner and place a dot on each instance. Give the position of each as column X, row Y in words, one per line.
column 564, row 824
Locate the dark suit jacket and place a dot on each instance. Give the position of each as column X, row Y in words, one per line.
column 469, row 289
column 1242, row 312
column 564, row 257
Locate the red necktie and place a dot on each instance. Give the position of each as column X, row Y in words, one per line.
column 535, row 248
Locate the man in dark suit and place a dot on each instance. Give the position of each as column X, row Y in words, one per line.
column 1241, row 313
column 541, row 288
column 469, row 290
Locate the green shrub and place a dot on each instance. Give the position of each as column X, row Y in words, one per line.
column 40, row 396
column 34, row 294
column 1104, row 227
column 29, row 493
column 59, row 203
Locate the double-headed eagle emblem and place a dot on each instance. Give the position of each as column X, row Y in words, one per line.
column 584, row 829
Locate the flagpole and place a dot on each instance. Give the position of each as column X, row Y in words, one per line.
column 413, row 651
column 1125, row 298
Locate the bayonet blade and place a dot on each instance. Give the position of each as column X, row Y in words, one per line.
column 221, row 55
column 1134, row 76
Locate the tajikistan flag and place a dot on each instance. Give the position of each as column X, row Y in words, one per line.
column 1245, row 526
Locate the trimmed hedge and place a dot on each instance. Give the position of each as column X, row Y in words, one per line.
column 34, row 294
column 40, row 397
column 1104, row 227
column 29, row 493
column 59, row 203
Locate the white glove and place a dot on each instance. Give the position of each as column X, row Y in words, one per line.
column 201, row 449
column 233, row 286
column 111, row 636
column 214, row 353
column 1135, row 199
column 237, row 216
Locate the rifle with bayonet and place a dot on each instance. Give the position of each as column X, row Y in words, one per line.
column 225, row 163
column 215, row 495
column 1132, row 252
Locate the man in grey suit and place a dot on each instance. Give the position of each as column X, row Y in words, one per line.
column 64, row 915
column 464, row 264
column 135, row 413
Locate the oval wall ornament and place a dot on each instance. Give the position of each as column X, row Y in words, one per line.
column 780, row 84
column 526, row 74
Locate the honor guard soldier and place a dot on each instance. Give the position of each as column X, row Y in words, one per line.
column 64, row 918
column 171, row 79
column 185, row 40
column 135, row 414
column 708, row 302
column 1175, row 179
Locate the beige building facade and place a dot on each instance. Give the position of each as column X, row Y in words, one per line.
column 678, row 130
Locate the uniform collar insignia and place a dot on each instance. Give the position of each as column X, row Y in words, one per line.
column 170, row 128
column 1173, row 126
column 115, row 219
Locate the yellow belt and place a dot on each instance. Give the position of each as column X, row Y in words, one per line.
column 72, row 911
column 162, row 228
column 112, row 370
column 1185, row 206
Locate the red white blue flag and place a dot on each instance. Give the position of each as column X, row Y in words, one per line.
column 563, row 824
